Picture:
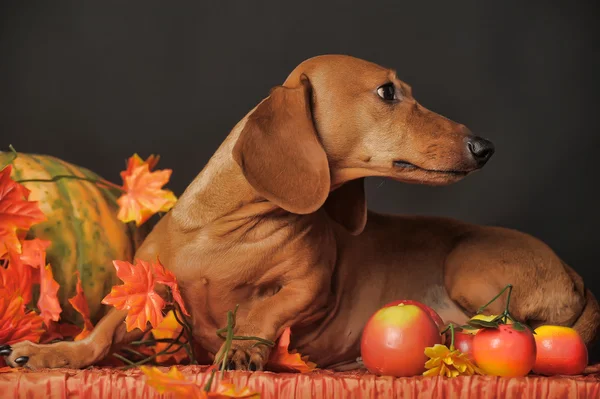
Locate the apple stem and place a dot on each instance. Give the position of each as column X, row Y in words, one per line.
column 509, row 287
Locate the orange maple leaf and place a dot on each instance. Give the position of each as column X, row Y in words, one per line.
column 169, row 328
column 166, row 277
column 144, row 195
column 48, row 303
column 283, row 360
column 137, row 295
column 80, row 304
column 16, row 212
column 174, row 381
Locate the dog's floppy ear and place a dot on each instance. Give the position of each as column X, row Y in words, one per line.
column 347, row 205
column 280, row 154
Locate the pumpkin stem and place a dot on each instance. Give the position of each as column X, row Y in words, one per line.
column 12, row 158
column 100, row 182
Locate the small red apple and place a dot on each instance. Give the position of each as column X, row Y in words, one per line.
column 504, row 351
column 463, row 342
column 436, row 317
column 394, row 340
column 560, row 350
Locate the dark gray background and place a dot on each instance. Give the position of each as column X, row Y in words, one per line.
column 93, row 82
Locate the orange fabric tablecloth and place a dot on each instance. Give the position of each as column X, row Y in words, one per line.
column 107, row 383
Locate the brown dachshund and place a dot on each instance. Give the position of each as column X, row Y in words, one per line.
column 277, row 222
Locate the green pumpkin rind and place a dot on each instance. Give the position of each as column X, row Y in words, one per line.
column 82, row 226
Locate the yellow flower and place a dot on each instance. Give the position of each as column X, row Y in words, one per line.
column 449, row 363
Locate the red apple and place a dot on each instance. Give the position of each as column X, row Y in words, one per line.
column 394, row 340
column 463, row 342
column 504, row 351
column 436, row 317
column 560, row 350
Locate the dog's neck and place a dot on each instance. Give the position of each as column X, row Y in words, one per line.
column 220, row 189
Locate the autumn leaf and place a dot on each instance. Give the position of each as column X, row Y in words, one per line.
column 169, row 328
column 48, row 303
column 174, row 381
column 226, row 389
column 34, row 252
column 136, row 295
column 144, row 195
column 15, row 324
column 59, row 331
column 167, row 278
column 16, row 212
column 17, row 277
column 80, row 304
column 283, row 360
column 20, row 266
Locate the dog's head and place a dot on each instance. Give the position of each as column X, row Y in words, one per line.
column 338, row 119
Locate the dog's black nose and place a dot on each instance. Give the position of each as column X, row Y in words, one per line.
column 481, row 149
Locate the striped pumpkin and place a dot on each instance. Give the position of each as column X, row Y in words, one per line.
column 82, row 226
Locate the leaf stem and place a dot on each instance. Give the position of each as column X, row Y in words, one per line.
column 508, row 287
column 506, row 313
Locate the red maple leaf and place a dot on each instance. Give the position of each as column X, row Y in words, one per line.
column 16, row 212
column 48, row 302
column 144, row 195
column 137, row 295
column 15, row 324
column 283, row 360
column 59, row 331
column 20, row 266
column 80, row 304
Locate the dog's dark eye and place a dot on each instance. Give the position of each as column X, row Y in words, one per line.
column 387, row 92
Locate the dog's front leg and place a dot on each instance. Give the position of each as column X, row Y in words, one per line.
column 267, row 318
column 110, row 331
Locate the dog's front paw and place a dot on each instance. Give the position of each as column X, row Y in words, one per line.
column 34, row 356
column 247, row 356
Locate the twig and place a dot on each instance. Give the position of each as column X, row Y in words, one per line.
column 150, row 342
column 186, row 326
column 123, row 359
column 134, row 352
column 228, row 341
column 164, row 351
